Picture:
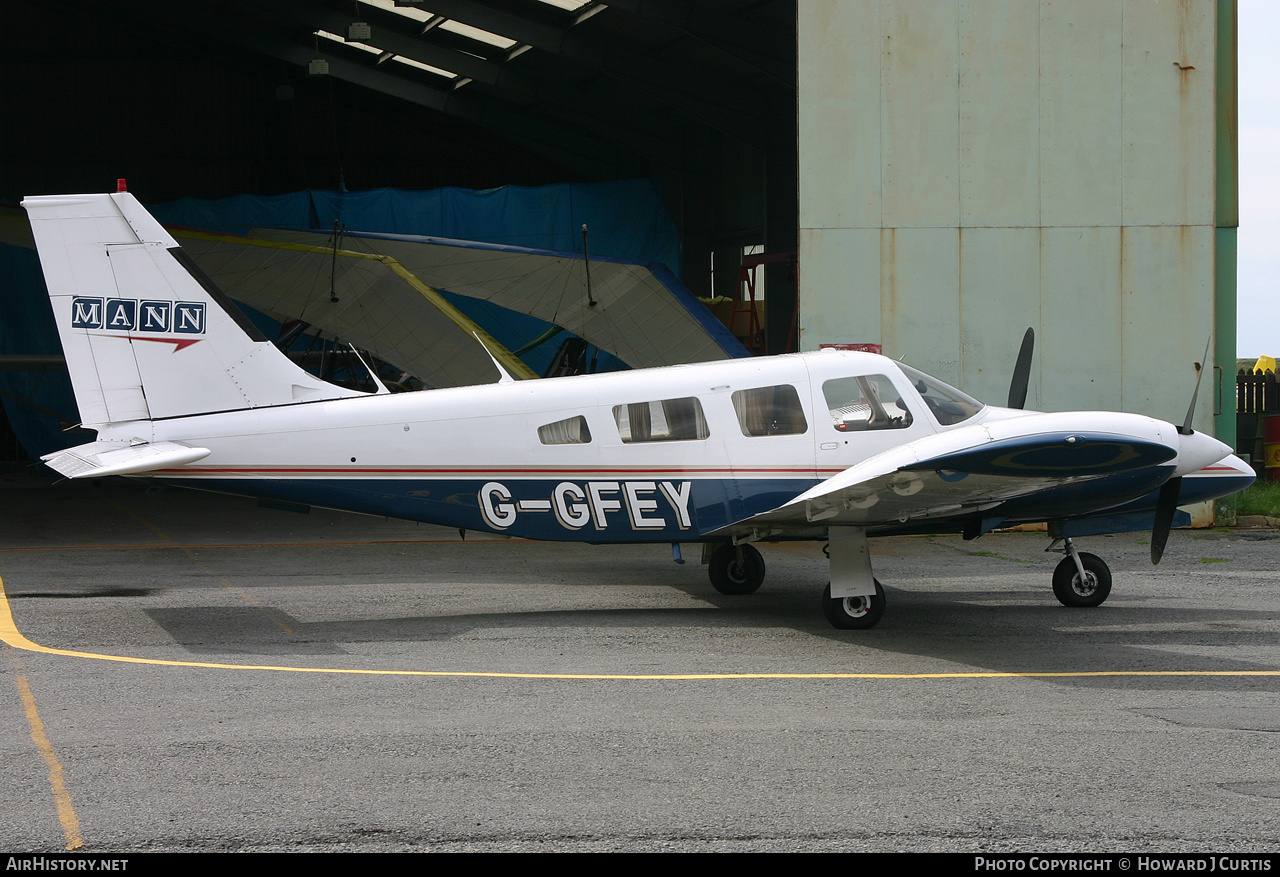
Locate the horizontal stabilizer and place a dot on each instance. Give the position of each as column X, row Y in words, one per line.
column 98, row 459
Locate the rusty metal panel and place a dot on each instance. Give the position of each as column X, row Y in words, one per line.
column 920, row 137
column 841, row 301
column 999, row 300
column 839, row 114
column 1080, row 112
column 999, row 106
column 1169, row 113
column 1080, row 351
column 920, row 297
column 1167, row 315
column 1004, row 164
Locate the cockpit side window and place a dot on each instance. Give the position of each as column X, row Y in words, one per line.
column 770, row 411
column 947, row 404
column 865, row 402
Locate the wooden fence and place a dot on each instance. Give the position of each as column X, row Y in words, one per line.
column 1257, row 393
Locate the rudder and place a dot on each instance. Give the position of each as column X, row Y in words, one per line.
column 146, row 334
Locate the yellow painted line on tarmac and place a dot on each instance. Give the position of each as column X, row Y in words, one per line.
column 10, row 634
column 57, row 783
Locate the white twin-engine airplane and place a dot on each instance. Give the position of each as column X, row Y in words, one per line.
column 832, row 446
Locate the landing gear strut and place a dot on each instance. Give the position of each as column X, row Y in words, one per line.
column 1080, row 579
column 853, row 599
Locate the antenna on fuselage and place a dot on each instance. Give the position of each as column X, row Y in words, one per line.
column 505, row 375
column 377, row 381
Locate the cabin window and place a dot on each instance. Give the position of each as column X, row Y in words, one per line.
column 865, row 402
column 573, row 431
column 770, row 411
column 668, row 420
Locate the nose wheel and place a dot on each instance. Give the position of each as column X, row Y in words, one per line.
column 1081, row 579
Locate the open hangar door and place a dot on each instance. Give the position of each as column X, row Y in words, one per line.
column 188, row 98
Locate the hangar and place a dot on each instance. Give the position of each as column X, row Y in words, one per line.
column 948, row 172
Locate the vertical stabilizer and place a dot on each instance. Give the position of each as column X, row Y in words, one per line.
column 146, row 333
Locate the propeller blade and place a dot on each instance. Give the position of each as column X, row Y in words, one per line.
column 1022, row 371
column 1166, row 506
column 1185, row 429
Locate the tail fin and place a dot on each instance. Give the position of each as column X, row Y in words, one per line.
column 147, row 335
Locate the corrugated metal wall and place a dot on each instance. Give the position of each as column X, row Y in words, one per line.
column 969, row 168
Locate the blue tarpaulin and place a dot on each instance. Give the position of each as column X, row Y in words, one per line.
column 626, row 219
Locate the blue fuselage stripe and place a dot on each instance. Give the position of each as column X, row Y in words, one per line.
column 643, row 508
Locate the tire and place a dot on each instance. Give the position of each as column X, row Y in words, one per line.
column 1070, row 591
column 729, row 576
column 853, row 613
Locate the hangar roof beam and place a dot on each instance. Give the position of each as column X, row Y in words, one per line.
column 587, row 105
column 464, row 64
column 739, row 42
column 711, row 102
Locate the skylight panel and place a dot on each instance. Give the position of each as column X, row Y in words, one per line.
column 429, row 19
column 413, row 12
column 570, row 5
column 477, row 34
column 384, row 55
column 364, row 47
column 427, row 67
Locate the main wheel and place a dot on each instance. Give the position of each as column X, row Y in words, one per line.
column 853, row 613
column 1092, row 591
column 729, row 575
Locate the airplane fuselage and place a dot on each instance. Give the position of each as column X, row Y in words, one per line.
column 483, row 458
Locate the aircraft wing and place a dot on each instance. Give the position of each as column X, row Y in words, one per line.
column 957, row 474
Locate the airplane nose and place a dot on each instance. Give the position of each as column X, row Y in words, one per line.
column 1197, row 450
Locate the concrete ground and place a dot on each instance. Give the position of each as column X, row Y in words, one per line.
column 191, row 672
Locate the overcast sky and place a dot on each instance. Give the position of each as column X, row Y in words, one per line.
column 1259, row 255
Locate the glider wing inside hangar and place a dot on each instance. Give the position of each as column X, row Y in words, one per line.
column 641, row 313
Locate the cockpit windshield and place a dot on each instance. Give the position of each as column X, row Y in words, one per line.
column 948, row 405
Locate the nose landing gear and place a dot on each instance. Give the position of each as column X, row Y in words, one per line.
column 1080, row 579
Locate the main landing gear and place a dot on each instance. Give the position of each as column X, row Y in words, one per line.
column 859, row 600
column 1080, row 579
column 736, row 569
column 853, row 613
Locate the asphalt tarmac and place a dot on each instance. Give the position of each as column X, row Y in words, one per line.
column 188, row 671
